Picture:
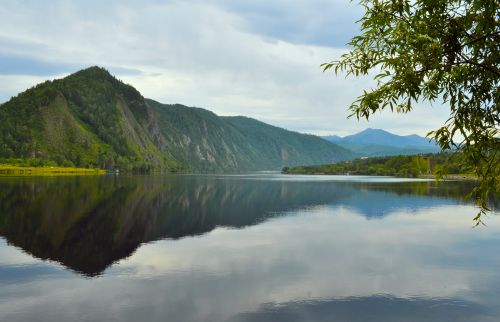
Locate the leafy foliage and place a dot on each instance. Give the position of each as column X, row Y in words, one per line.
column 429, row 50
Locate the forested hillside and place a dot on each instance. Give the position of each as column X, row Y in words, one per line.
column 91, row 119
column 204, row 141
column 88, row 119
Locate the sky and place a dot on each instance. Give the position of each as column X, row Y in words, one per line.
column 234, row 57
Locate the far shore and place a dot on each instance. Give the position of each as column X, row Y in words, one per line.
column 450, row 177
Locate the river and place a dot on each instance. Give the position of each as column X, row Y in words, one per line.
column 253, row 247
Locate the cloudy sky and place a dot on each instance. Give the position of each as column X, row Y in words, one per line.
column 258, row 58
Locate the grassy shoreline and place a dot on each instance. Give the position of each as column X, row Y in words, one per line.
column 14, row 170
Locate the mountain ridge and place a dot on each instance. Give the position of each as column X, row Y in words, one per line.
column 373, row 136
column 237, row 141
column 92, row 119
column 378, row 142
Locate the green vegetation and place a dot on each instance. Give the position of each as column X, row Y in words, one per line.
column 203, row 141
column 88, row 119
column 15, row 170
column 92, row 120
column 401, row 166
column 276, row 146
column 439, row 50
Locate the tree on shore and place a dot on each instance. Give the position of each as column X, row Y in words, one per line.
column 435, row 50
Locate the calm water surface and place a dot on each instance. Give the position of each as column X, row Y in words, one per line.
column 262, row 247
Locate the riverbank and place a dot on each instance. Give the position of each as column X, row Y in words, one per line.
column 460, row 177
column 13, row 170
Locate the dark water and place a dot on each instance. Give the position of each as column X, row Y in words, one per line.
column 244, row 248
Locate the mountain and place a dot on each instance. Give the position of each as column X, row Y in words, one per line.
column 207, row 142
column 86, row 119
column 377, row 136
column 376, row 142
column 90, row 118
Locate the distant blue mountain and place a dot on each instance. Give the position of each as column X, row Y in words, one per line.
column 381, row 137
column 377, row 142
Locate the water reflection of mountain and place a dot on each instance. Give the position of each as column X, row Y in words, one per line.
column 88, row 223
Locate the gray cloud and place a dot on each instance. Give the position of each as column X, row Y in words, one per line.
column 247, row 57
column 20, row 65
column 320, row 22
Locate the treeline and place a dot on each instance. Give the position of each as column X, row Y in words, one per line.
column 401, row 166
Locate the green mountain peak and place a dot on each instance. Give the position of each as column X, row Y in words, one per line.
column 90, row 118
